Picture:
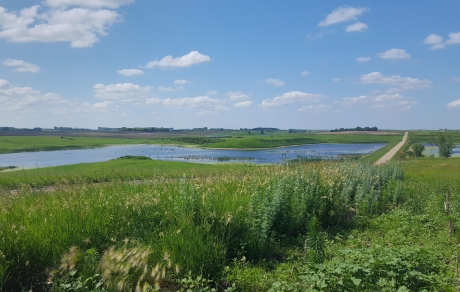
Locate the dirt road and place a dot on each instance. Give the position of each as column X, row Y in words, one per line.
column 393, row 151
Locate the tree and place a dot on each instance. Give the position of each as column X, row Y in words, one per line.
column 444, row 141
column 418, row 148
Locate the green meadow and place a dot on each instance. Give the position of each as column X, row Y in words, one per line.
column 134, row 224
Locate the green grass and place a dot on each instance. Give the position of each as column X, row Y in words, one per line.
column 122, row 169
column 284, row 139
column 202, row 224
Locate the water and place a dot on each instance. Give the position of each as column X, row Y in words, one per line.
column 432, row 150
column 174, row 153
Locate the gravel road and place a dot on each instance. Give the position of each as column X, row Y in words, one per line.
column 393, row 151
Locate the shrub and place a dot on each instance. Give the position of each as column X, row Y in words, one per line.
column 418, row 149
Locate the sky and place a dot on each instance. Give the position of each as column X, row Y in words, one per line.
column 230, row 64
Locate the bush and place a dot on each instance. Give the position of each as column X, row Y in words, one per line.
column 418, row 149
column 444, row 141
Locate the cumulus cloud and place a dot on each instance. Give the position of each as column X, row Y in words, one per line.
column 454, row 38
column 21, row 66
column 153, row 100
column 28, row 100
column 342, row 14
column 217, row 109
column 291, row 98
column 130, row 72
column 125, row 92
column 81, row 27
column 234, row 95
column 305, row 73
column 88, row 3
column 181, row 81
column 385, row 101
column 402, row 83
column 246, row 103
column 211, row 92
column 192, row 102
column 435, row 41
column 363, row 59
column 357, row 27
column 394, row 54
column 320, row 108
column 274, row 81
column 455, row 103
column 192, row 58
column 103, row 105
column 163, row 88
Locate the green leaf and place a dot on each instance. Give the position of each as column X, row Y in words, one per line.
column 356, row 281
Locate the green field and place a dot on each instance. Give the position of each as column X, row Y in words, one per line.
column 9, row 144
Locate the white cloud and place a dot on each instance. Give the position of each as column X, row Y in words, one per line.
column 126, row 92
column 305, row 73
column 435, row 41
column 291, row 98
column 274, row 81
column 88, row 3
column 78, row 26
column 181, row 81
column 385, row 101
column 103, row 105
column 455, row 79
column 454, row 38
column 246, row 103
column 455, row 103
column 336, row 80
column 21, row 66
column 394, row 54
column 192, row 58
column 363, row 59
column 153, row 100
column 342, row 14
column 162, row 88
column 320, row 108
column 359, row 26
column 130, row 72
column 211, row 92
column 234, row 95
column 28, row 100
column 217, row 109
column 402, row 83
column 192, row 102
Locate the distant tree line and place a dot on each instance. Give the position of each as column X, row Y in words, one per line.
column 355, row 129
column 70, row 129
column 265, row 129
column 145, row 129
column 21, row 129
column 296, row 131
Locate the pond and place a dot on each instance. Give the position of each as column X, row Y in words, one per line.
column 432, row 150
column 175, row 153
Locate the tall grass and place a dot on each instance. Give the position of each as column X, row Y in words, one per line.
column 201, row 223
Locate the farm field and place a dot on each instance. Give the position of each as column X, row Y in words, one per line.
column 239, row 139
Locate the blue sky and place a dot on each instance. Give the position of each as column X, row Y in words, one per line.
column 231, row 64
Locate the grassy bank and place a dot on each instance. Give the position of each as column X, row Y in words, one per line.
column 76, row 235
column 113, row 170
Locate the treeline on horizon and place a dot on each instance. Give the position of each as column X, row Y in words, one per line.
column 355, row 129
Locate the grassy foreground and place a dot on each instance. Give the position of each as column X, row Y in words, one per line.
column 179, row 230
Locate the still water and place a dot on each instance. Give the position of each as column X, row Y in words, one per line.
column 432, row 150
column 174, row 153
